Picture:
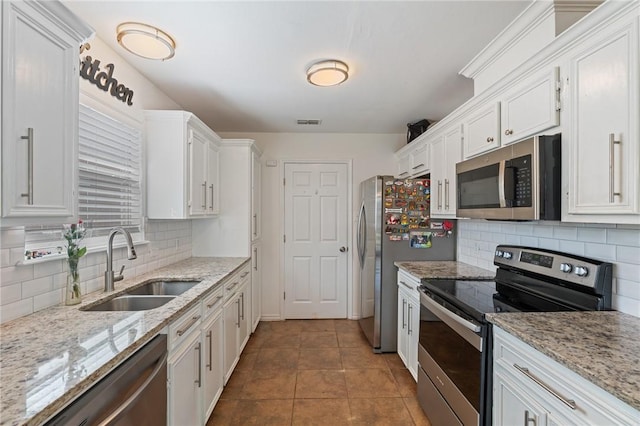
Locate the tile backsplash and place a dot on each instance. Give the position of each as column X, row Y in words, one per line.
column 618, row 244
column 25, row 289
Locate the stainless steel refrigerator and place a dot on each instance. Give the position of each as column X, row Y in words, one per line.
column 394, row 225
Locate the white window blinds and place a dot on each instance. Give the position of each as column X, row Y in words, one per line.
column 109, row 187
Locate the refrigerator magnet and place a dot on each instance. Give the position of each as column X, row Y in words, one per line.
column 420, row 239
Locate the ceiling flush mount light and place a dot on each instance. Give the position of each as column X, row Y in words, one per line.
column 328, row 73
column 146, row 41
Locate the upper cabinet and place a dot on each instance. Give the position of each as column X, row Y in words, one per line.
column 530, row 107
column 602, row 162
column 482, row 129
column 446, row 151
column 415, row 158
column 40, row 48
column 182, row 166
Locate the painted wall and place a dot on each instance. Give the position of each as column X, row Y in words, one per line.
column 371, row 154
column 618, row 244
column 25, row 289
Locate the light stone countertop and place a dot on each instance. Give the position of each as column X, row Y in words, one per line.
column 602, row 347
column 50, row 357
column 445, row 269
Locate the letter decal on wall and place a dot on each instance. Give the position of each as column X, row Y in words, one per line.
column 90, row 70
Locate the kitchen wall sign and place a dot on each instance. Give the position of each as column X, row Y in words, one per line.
column 104, row 80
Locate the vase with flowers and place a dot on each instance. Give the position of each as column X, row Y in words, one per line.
column 73, row 234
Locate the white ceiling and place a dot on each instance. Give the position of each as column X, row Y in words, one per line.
column 240, row 66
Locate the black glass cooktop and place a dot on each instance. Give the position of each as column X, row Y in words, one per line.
column 469, row 299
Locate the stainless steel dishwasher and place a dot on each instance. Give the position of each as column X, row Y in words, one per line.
column 134, row 393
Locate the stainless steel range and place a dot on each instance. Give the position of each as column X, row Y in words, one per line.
column 454, row 378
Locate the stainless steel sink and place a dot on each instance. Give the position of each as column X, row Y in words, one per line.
column 131, row 303
column 164, row 288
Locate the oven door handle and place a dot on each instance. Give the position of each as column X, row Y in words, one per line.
column 465, row 328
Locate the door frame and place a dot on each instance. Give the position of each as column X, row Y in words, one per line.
column 281, row 285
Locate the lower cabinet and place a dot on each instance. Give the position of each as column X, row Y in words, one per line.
column 213, row 340
column 256, row 292
column 237, row 324
column 408, row 321
column 530, row 388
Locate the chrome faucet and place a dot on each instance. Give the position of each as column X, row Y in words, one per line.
column 109, row 277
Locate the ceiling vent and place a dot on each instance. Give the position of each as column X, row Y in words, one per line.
column 309, row 122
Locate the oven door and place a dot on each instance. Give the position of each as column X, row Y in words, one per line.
column 450, row 356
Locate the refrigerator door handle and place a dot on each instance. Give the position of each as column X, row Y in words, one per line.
column 362, row 234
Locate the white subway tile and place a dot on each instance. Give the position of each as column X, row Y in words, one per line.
column 16, row 310
column 542, row 231
column 12, row 237
column 600, row 251
column 17, row 255
column 529, row 241
column 623, row 237
column 549, row 244
column 5, row 256
column 524, row 229
column 572, row 247
column 508, row 228
column 14, row 274
column 592, row 235
column 628, row 254
column 37, row 286
column 565, row 232
column 625, row 304
column 10, row 294
column 628, row 288
column 47, row 300
column 626, row 271
column 47, row 268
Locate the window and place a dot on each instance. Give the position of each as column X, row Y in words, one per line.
column 109, row 184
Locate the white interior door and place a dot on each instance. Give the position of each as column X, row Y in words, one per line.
column 315, row 233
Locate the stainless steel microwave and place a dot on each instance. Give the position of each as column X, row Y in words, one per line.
column 517, row 182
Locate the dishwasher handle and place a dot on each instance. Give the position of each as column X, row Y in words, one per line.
column 124, row 407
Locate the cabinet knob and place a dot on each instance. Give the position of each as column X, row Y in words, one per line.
column 508, row 132
column 489, row 139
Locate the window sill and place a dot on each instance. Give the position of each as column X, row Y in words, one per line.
column 95, row 249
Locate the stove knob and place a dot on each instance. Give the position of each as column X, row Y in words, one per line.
column 566, row 267
column 499, row 253
column 507, row 255
column 581, row 271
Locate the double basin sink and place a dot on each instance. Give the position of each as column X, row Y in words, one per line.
column 150, row 295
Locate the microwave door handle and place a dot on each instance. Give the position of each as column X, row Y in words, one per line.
column 501, row 188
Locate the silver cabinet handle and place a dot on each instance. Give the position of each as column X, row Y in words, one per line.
column 29, row 139
column 242, row 297
column 612, row 143
column 490, row 139
column 508, row 132
column 568, row 402
column 446, row 194
column 209, row 337
column 245, row 274
column 255, row 256
column 204, row 192
column 404, row 303
column 407, row 285
column 199, row 349
column 232, row 286
column 528, row 419
column 117, row 413
column 439, row 194
column 418, row 166
column 210, row 305
column 188, row 326
column 409, row 330
column 238, row 303
column 255, row 225
column 211, row 188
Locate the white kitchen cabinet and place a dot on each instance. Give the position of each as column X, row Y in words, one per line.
column 408, row 321
column 40, row 86
column 182, row 166
column 404, row 168
column 237, row 327
column 256, row 195
column 420, row 159
column 213, row 344
column 531, row 106
column 603, row 156
column 256, row 283
column 446, row 151
column 482, row 129
column 527, row 381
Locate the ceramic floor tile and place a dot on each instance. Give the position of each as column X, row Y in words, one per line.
column 320, row 359
column 223, row 413
column 393, row 360
column 283, row 340
column 277, row 358
column 404, row 380
column 270, row 384
column 318, row 339
column 321, row 412
column 271, row 412
column 371, row 383
column 352, row 339
column 235, row 385
column 418, row 416
column 346, row 325
column 321, row 384
column 318, row 325
column 287, row 326
column 379, row 411
column 247, row 360
column 362, row 357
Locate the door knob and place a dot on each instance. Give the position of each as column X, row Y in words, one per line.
column 343, row 249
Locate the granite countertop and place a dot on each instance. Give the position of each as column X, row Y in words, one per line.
column 602, row 347
column 445, row 269
column 50, row 357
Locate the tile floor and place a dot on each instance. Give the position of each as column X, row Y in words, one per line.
column 317, row 372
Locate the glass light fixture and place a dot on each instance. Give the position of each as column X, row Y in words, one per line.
column 146, row 41
column 328, row 73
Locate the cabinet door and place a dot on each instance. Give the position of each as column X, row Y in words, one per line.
column 256, row 292
column 419, row 159
column 39, row 116
column 531, row 107
column 198, row 153
column 213, row 375
column 402, row 324
column 256, row 200
column 603, row 159
column 482, row 130
column 452, row 155
column 244, row 329
column 413, row 324
column 213, row 179
column 512, row 406
column 231, row 324
column 438, row 174
column 404, row 166
column 184, row 383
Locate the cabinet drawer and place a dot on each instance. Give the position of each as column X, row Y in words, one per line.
column 232, row 285
column 407, row 280
column 181, row 328
column 213, row 302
